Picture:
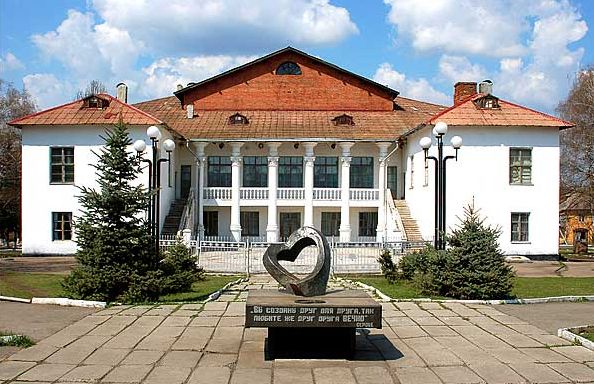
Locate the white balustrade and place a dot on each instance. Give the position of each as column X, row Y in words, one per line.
column 251, row 193
column 326, row 194
column 217, row 193
column 364, row 194
column 291, row 193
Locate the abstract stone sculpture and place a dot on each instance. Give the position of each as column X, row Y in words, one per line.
column 314, row 283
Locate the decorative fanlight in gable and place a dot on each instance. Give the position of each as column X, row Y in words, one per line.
column 343, row 119
column 487, row 102
column 238, row 118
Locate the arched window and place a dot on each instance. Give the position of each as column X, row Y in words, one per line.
column 238, row 118
column 288, row 68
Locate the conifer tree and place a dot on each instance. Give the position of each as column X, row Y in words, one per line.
column 475, row 265
column 115, row 253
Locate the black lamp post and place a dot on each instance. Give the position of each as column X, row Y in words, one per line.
column 439, row 132
column 154, row 184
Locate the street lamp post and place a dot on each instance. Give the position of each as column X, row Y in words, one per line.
column 439, row 132
column 154, row 184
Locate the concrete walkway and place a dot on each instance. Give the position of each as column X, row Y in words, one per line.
column 552, row 316
column 195, row 343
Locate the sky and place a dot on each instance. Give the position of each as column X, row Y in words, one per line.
column 530, row 49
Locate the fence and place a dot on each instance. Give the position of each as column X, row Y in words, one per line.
column 246, row 256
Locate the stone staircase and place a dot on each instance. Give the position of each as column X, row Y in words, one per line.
column 410, row 225
column 171, row 224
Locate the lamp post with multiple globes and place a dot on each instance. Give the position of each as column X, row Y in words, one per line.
column 154, row 168
column 439, row 132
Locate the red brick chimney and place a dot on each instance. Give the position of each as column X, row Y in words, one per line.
column 462, row 90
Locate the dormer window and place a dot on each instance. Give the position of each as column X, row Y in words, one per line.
column 238, row 118
column 288, row 68
column 487, row 102
column 343, row 119
column 95, row 102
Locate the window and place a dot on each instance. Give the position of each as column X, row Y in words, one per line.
column 412, row 171
column 343, row 119
column 211, row 223
column 219, row 171
column 290, row 172
column 61, row 226
column 250, row 223
column 520, row 166
column 519, row 226
column 326, row 172
column 255, row 171
column 367, row 223
column 289, row 222
column 288, row 68
column 330, row 223
column 95, row 102
column 487, row 102
column 361, row 173
column 238, row 118
column 62, row 165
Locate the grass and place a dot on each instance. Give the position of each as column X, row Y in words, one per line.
column 524, row 287
column 26, row 284
column 201, row 289
column 10, row 340
column 587, row 333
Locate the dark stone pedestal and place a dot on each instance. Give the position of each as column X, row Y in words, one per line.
column 311, row 343
column 312, row 327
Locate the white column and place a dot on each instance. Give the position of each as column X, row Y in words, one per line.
column 308, row 183
column 381, row 206
column 201, row 163
column 345, row 219
column 272, row 225
column 236, row 160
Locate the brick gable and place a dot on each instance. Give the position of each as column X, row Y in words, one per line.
column 321, row 87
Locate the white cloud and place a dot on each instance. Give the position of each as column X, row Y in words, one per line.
column 162, row 76
column 181, row 27
column 10, row 63
column 47, row 90
column 419, row 89
column 459, row 68
column 530, row 39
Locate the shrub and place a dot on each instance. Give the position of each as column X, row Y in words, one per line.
column 388, row 268
column 473, row 267
column 179, row 269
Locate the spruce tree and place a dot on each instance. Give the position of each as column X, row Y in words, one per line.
column 475, row 265
column 115, row 253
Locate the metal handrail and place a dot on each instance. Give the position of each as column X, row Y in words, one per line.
column 187, row 218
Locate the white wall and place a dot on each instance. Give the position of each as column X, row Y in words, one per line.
column 40, row 198
column 482, row 175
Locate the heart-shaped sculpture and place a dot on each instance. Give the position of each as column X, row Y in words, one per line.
column 315, row 282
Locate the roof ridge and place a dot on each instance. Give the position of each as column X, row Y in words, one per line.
column 13, row 122
column 134, row 108
column 566, row 123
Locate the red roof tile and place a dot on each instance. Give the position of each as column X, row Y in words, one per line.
column 286, row 124
column 74, row 113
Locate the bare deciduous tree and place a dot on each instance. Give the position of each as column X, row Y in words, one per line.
column 13, row 104
column 93, row 88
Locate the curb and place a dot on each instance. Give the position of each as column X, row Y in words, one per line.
column 566, row 334
column 215, row 295
column 537, row 300
column 15, row 299
column 68, row 302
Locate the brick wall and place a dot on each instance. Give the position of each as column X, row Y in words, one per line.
column 320, row 87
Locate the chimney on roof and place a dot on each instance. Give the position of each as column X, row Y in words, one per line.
column 122, row 92
column 486, row 87
column 180, row 87
column 462, row 90
column 190, row 111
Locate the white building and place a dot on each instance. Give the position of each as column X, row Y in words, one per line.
column 290, row 140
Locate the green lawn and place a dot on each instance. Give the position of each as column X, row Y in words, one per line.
column 27, row 285
column 524, row 287
column 587, row 333
column 201, row 289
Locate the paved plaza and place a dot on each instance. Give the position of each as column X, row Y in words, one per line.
column 195, row 343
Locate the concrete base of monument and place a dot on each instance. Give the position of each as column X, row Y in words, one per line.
column 312, row 327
